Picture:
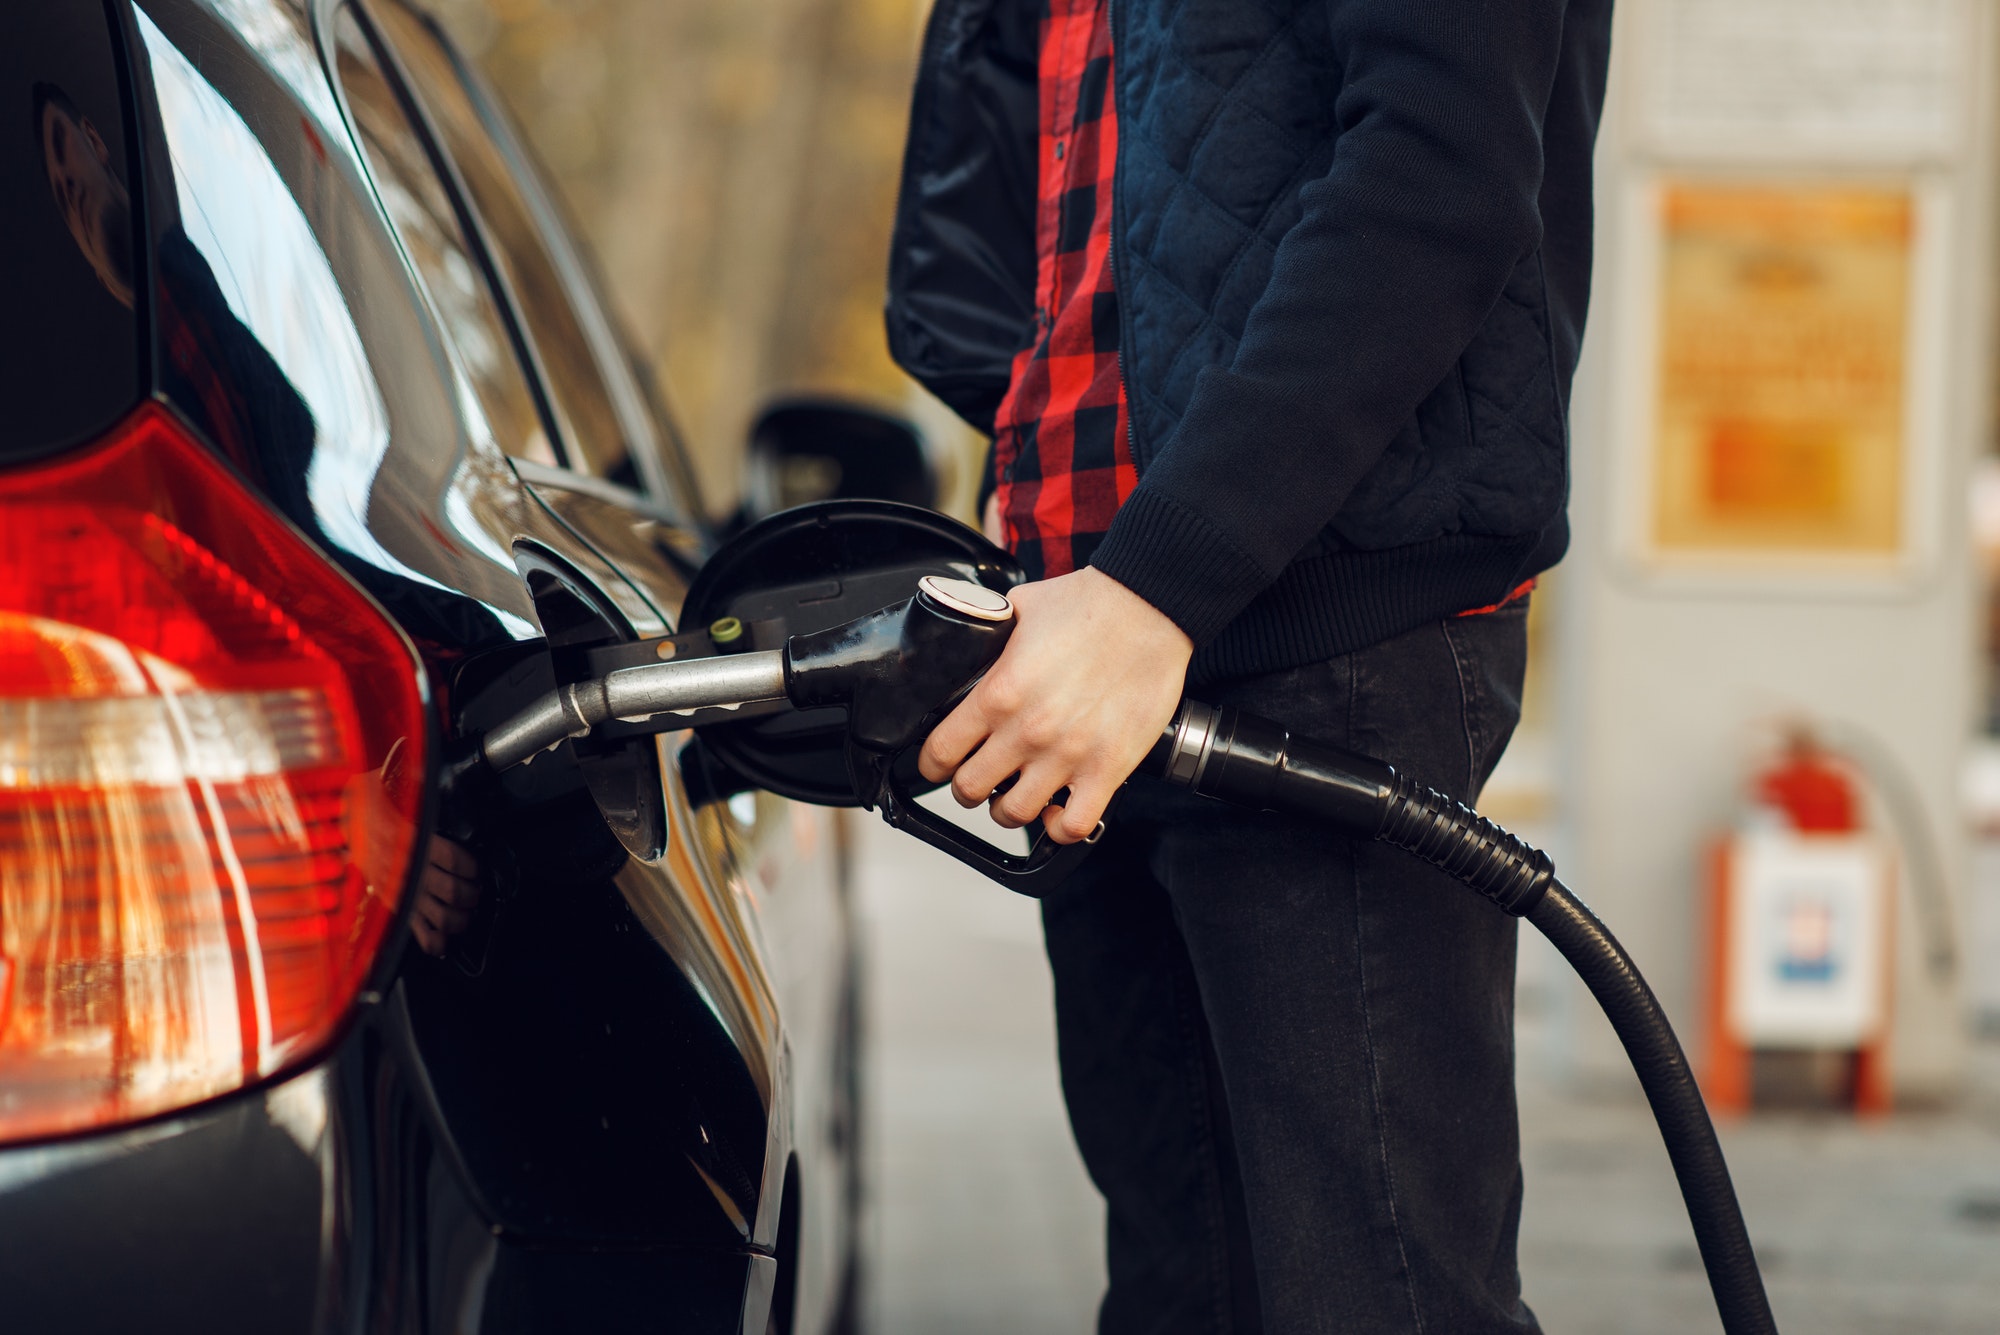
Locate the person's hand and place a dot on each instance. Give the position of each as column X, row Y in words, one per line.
column 447, row 892
column 1089, row 679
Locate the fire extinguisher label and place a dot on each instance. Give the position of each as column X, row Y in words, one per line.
column 1807, row 935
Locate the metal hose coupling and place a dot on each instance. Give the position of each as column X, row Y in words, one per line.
column 1253, row 762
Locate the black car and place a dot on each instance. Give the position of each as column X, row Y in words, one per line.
column 318, row 456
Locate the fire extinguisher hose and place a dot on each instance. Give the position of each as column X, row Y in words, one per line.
column 1249, row 761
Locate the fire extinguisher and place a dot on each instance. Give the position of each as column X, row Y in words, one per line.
column 1810, row 788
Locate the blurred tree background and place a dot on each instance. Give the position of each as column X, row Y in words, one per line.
column 733, row 166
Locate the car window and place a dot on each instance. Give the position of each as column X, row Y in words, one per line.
column 422, row 211
column 582, row 399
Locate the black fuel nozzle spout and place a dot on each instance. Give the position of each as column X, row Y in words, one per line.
column 899, row 670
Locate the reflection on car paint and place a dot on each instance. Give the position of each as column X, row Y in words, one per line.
column 692, row 901
column 258, row 267
column 80, row 371
column 688, row 900
column 434, row 239
column 598, row 414
column 633, row 540
column 277, row 32
column 270, row 269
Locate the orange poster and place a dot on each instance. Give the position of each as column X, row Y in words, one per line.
column 1779, row 426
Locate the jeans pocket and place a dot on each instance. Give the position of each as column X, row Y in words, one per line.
column 1491, row 653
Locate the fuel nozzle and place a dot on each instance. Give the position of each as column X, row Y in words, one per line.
column 897, row 671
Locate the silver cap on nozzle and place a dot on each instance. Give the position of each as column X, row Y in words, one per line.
column 966, row 598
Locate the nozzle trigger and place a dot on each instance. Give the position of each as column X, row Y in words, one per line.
column 1046, row 864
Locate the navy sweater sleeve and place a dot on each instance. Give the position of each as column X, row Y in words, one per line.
column 1401, row 250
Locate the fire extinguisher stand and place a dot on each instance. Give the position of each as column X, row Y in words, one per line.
column 1800, row 914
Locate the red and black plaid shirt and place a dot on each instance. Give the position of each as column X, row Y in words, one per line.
column 1062, row 453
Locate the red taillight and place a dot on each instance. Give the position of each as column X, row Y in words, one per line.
column 211, row 767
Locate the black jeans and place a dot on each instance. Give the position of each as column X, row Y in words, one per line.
column 1289, row 1058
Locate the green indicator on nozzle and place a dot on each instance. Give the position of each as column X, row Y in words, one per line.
column 725, row 630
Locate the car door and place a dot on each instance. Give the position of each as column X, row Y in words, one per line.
column 745, row 891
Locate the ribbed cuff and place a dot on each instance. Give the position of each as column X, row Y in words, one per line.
column 1338, row 602
column 1178, row 562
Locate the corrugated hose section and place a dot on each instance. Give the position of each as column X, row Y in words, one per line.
column 1464, row 844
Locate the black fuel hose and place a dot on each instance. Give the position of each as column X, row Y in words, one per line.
column 1249, row 761
column 1670, row 1087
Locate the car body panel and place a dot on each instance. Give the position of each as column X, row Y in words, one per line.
column 321, row 1202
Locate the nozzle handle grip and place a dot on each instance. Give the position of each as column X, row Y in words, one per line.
column 898, row 671
column 1041, row 869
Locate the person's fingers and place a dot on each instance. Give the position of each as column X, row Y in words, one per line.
column 449, row 889
column 980, row 773
column 446, row 894
column 952, row 741
column 430, row 912
column 1028, row 797
column 1078, row 817
column 452, row 857
column 442, row 916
